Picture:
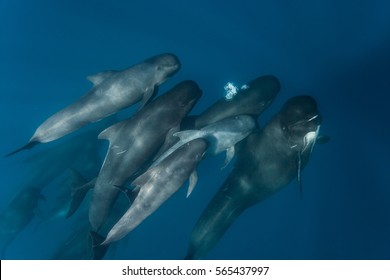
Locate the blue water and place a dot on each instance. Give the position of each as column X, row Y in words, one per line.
column 336, row 51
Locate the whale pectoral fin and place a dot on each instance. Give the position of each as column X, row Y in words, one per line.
column 322, row 139
column 111, row 131
column 98, row 78
column 193, row 182
column 98, row 251
column 148, row 96
column 229, row 156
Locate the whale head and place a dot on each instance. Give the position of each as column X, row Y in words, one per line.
column 257, row 95
column 183, row 97
column 166, row 65
column 300, row 122
column 244, row 123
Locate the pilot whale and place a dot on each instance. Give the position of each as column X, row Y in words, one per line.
column 17, row 215
column 134, row 141
column 221, row 136
column 252, row 99
column 158, row 184
column 267, row 160
column 112, row 91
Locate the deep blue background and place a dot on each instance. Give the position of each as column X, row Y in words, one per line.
column 337, row 51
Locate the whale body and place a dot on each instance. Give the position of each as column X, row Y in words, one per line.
column 221, row 136
column 112, row 91
column 158, row 184
column 134, row 141
column 267, row 161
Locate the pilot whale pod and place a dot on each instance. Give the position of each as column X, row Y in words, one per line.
column 267, row 160
column 112, row 91
column 252, row 99
column 158, row 184
column 134, row 141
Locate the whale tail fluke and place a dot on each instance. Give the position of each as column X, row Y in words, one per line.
column 189, row 256
column 28, row 146
column 80, row 188
column 98, row 250
column 219, row 215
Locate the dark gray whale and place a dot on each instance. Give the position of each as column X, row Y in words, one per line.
column 134, row 141
column 17, row 215
column 251, row 100
column 267, row 160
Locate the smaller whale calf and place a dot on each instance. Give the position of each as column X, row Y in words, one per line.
column 221, row 136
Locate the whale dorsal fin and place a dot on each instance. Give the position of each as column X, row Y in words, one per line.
column 110, row 131
column 193, row 181
column 149, row 94
column 131, row 194
column 144, row 178
column 96, row 79
column 188, row 135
